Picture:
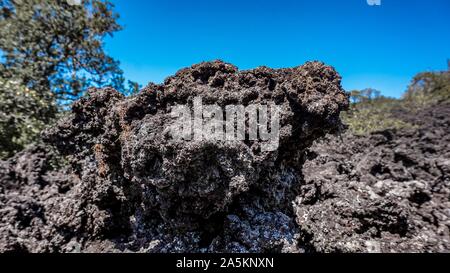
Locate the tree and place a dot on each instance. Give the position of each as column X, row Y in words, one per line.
column 429, row 88
column 51, row 51
column 53, row 45
column 355, row 96
column 365, row 95
column 23, row 115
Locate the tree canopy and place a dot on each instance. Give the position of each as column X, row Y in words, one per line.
column 56, row 48
column 51, row 52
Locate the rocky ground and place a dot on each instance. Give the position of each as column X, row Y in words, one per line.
column 108, row 178
column 386, row 192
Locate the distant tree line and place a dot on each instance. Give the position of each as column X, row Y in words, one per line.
column 365, row 95
column 370, row 111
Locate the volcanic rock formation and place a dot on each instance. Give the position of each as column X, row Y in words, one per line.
column 129, row 186
column 109, row 177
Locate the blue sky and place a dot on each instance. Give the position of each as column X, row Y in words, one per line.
column 381, row 47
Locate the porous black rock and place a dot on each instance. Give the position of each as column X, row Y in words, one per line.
column 133, row 188
column 385, row 192
column 110, row 178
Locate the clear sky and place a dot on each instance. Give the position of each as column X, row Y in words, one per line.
column 381, row 47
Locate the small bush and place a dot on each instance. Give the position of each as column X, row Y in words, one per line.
column 23, row 114
column 372, row 112
column 373, row 115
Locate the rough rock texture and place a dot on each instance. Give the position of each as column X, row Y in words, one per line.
column 387, row 192
column 36, row 213
column 130, row 187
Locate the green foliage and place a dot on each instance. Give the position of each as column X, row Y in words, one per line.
column 371, row 115
column 50, row 53
column 52, row 45
column 427, row 89
column 372, row 112
column 24, row 113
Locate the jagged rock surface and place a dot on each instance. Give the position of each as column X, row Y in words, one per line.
column 387, row 192
column 130, row 187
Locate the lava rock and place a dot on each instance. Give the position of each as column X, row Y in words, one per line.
column 386, row 192
column 134, row 188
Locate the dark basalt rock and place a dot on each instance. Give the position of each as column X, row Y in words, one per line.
column 118, row 183
column 130, row 187
column 386, row 192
